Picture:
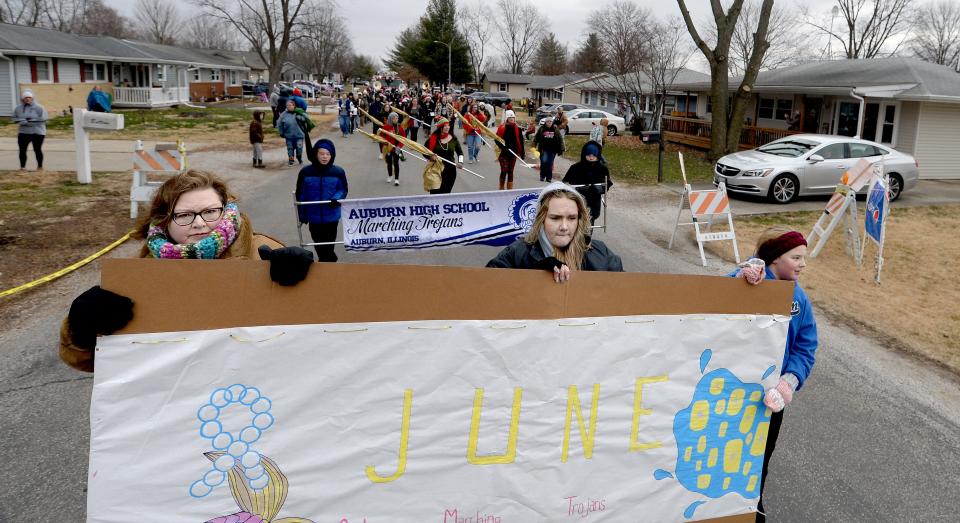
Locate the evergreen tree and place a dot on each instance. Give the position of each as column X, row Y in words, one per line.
column 551, row 57
column 589, row 57
column 416, row 46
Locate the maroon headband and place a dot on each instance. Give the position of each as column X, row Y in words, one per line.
column 772, row 249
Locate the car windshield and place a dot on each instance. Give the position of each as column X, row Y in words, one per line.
column 788, row 148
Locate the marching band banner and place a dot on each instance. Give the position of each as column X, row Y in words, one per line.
column 636, row 418
column 437, row 221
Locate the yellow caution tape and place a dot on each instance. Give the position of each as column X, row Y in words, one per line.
column 66, row 270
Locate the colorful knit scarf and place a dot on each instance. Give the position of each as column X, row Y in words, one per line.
column 208, row 248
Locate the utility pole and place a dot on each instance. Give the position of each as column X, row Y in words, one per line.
column 449, row 54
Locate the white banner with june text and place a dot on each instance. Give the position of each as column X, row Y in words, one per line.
column 650, row 418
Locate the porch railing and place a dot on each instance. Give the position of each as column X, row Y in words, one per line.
column 697, row 133
column 149, row 96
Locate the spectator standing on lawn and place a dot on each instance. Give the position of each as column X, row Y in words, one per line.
column 343, row 114
column 289, row 128
column 274, row 100
column 549, row 143
column 599, row 131
column 31, row 119
column 256, row 138
column 560, row 120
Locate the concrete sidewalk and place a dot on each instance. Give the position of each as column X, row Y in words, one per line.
column 926, row 192
column 59, row 154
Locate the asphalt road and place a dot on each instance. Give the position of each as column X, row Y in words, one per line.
column 874, row 435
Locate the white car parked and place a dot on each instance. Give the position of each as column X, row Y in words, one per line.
column 580, row 121
column 809, row 164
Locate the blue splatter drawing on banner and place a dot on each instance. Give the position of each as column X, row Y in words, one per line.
column 256, row 482
column 721, row 437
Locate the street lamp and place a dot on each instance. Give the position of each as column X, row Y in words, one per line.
column 449, row 53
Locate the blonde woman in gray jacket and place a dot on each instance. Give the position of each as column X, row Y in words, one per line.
column 31, row 119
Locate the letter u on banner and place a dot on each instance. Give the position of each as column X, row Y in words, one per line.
column 494, row 459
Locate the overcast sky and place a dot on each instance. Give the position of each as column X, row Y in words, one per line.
column 374, row 24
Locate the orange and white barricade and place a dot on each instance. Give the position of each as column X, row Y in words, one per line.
column 843, row 206
column 705, row 206
column 165, row 158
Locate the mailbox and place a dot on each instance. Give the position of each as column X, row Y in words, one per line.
column 102, row 121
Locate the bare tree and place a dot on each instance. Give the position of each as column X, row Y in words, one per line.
column 669, row 53
column 103, row 20
column 936, row 34
column 208, row 32
column 158, row 21
column 325, row 38
column 23, row 12
column 624, row 31
column 64, row 15
column 269, row 26
column 519, row 32
column 725, row 128
column 787, row 44
column 869, row 26
column 476, row 23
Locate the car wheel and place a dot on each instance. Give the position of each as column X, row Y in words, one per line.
column 896, row 186
column 784, row 188
column 611, row 130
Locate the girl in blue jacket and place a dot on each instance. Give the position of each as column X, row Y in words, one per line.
column 783, row 252
column 321, row 180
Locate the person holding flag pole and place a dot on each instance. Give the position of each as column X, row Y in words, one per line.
column 392, row 151
column 427, row 152
column 513, row 144
column 471, row 120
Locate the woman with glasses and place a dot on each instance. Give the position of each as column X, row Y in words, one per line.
column 192, row 216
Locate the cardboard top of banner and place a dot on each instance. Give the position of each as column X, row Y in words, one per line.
column 183, row 295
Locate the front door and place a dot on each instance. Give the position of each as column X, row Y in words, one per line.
column 848, row 116
column 811, row 114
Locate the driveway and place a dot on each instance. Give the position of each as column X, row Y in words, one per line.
column 926, row 192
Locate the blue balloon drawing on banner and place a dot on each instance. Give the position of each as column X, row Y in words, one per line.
column 721, row 436
column 523, row 211
column 236, row 446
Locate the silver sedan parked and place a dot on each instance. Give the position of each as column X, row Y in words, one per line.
column 810, row 164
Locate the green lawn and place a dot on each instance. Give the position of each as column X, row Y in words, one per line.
column 632, row 161
column 138, row 120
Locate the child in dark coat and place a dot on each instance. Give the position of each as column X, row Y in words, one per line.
column 256, row 138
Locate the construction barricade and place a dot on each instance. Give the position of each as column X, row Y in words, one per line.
column 704, row 206
column 164, row 158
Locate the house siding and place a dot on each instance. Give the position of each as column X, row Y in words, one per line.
column 907, row 127
column 22, row 67
column 936, row 141
column 69, row 71
column 8, row 99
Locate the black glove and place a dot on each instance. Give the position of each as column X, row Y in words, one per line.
column 549, row 264
column 97, row 311
column 334, row 203
column 288, row 265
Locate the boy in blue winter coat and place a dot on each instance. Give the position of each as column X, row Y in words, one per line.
column 289, row 128
column 783, row 252
column 322, row 181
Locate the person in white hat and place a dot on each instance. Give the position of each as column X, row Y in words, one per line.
column 512, row 137
column 559, row 240
column 31, row 119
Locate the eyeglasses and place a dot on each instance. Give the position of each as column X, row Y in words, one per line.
column 208, row 215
